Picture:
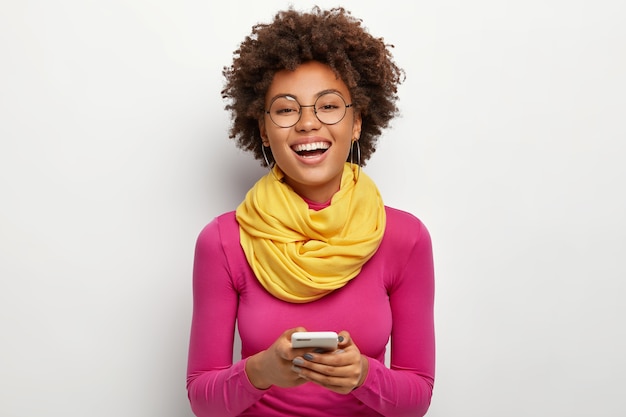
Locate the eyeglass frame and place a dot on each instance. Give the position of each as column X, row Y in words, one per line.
column 345, row 110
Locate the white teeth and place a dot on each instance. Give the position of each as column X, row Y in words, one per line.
column 311, row 146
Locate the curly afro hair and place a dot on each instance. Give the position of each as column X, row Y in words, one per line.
column 333, row 37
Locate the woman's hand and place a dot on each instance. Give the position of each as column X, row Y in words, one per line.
column 273, row 366
column 340, row 371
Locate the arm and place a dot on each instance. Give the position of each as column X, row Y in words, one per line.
column 215, row 386
column 406, row 388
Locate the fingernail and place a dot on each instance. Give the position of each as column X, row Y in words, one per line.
column 339, row 351
column 340, row 338
column 296, row 369
column 320, row 350
column 306, row 356
column 298, row 361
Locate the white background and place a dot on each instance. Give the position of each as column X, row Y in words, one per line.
column 114, row 154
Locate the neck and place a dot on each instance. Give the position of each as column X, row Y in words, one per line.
column 319, row 195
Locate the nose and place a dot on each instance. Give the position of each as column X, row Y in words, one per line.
column 308, row 119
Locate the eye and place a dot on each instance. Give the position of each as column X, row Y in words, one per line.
column 285, row 111
column 330, row 102
column 285, row 106
column 327, row 107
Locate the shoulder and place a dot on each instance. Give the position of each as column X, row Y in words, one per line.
column 407, row 245
column 218, row 230
column 217, row 246
column 404, row 228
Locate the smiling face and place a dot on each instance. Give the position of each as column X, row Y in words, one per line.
column 310, row 153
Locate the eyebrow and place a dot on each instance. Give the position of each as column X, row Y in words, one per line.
column 317, row 95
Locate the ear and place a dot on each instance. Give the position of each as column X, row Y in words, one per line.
column 356, row 126
column 263, row 132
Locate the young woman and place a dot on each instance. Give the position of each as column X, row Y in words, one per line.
column 312, row 247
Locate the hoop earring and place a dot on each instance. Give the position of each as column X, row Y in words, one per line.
column 358, row 158
column 267, row 161
column 270, row 166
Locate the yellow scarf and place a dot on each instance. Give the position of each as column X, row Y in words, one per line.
column 299, row 254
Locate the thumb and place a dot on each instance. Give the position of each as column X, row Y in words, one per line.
column 344, row 338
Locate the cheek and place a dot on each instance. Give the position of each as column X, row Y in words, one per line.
column 348, row 134
column 346, row 142
column 275, row 135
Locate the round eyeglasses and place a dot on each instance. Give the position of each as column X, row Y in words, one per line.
column 329, row 108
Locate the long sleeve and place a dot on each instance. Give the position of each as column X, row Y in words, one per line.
column 215, row 386
column 406, row 388
column 393, row 296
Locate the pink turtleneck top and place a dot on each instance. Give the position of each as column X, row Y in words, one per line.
column 391, row 297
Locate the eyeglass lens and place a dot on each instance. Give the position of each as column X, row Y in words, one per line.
column 330, row 108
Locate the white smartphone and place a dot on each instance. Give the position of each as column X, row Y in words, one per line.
column 324, row 340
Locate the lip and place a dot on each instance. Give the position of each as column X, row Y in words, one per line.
column 311, row 160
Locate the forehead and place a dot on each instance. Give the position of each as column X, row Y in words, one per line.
column 306, row 82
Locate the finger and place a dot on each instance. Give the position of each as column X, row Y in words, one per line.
column 344, row 339
column 333, row 378
column 337, row 358
column 285, row 350
column 289, row 332
column 330, row 365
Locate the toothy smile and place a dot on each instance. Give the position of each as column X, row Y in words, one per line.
column 311, row 149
